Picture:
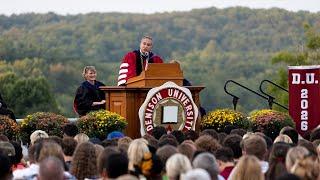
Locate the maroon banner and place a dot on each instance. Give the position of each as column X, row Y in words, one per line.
column 304, row 96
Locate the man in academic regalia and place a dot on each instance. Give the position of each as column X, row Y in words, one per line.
column 4, row 109
column 136, row 61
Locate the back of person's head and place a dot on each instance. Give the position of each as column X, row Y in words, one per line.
column 191, row 135
column 127, row 177
column 315, row 134
column 51, row 149
column 7, row 149
column 158, row 131
column 84, row 163
column 103, row 157
column 68, row 146
column 213, row 133
column 306, row 168
column 207, row 143
column 3, row 137
column 196, row 174
column 116, row 165
column 51, row 168
column 208, row 162
column 70, row 130
column 38, row 134
column 136, row 151
column 283, row 138
column 238, row 131
column 224, row 154
column 18, row 152
column 56, row 139
column 277, row 160
column 179, row 135
column 176, row 165
column 98, row 149
column 291, row 132
column 123, row 144
column 81, row 138
column 254, row 145
column 152, row 142
column 232, row 141
column 95, row 140
column 293, row 154
column 187, row 149
column 221, row 136
column 165, row 152
column 168, row 139
column 308, row 145
column 247, row 168
column 5, row 167
column 266, row 138
column 109, row 142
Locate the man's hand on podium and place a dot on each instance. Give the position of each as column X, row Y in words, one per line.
column 99, row 103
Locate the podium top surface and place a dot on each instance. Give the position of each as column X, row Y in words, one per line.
column 125, row 88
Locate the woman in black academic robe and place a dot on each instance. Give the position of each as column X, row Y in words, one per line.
column 88, row 96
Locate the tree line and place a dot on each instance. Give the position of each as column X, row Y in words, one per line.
column 42, row 55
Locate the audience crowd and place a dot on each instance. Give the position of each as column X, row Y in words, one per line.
column 235, row 154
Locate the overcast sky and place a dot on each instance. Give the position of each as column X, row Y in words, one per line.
column 64, row 7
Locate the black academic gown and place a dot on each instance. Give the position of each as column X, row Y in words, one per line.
column 87, row 94
column 4, row 109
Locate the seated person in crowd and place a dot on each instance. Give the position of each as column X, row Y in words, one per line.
column 88, row 96
column 137, row 61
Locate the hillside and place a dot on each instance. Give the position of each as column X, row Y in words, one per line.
column 213, row 45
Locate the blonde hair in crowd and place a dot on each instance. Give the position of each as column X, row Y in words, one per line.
column 295, row 154
column 283, row 138
column 306, row 168
column 81, row 138
column 248, row 168
column 136, row 151
column 176, row 165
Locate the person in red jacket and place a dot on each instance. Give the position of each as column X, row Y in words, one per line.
column 137, row 61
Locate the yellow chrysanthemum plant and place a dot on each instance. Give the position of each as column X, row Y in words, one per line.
column 270, row 122
column 99, row 123
column 220, row 118
column 9, row 127
column 49, row 122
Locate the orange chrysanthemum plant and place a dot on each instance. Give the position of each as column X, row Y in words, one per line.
column 270, row 122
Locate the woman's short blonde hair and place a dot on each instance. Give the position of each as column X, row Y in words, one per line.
column 81, row 138
column 283, row 138
column 87, row 69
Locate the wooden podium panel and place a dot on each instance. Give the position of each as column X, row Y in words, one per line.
column 126, row 101
column 157, row 74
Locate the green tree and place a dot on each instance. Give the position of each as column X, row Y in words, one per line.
column 30, row 95
column 307, row 54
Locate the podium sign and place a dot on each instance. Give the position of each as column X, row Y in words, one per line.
column 304, row 96
column 170, row 106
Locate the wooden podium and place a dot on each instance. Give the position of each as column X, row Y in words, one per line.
column 126, row 100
